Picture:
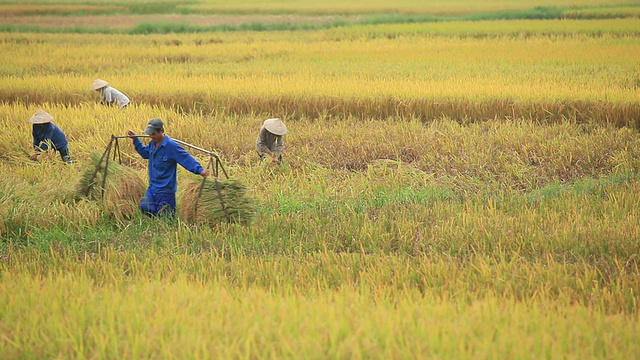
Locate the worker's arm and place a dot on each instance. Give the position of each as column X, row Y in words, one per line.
column 188, row 162
column 261, row 142
column 140, row 147
column 37, row 139
column 279, row 145
column 41, row 136
column 107, row 97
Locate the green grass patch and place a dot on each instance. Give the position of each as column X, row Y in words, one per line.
column 538, row 12
column 160, row 27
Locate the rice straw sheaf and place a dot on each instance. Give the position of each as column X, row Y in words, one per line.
column 205, row 207
column 123, row 188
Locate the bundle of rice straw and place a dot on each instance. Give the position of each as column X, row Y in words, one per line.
column 122, row 191
column 206, row 207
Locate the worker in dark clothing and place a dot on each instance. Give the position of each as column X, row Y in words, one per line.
column 46, row 133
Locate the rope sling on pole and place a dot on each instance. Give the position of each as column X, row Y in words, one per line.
column 212, row 161
column 214, row 164
column 211, row 201
column 95, row 173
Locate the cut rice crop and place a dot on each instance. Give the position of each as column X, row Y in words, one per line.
column 123, row 188
column 215, row 202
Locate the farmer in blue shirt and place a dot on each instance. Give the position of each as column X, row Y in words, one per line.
column 46, row 133
column 163, row 154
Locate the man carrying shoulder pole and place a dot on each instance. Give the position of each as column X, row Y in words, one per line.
column 163, row 154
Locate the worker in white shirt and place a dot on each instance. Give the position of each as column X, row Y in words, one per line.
column 110, row 96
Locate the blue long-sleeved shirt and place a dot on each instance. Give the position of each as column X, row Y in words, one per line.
column 163, row 160
column 49, row 131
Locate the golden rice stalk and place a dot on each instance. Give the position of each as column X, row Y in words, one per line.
column 205, row 206
column 3, row 226
column 122, row 191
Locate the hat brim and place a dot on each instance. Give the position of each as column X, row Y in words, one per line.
column 41, row 117
column 151, row 130
column 39, row 121
column 98, row 84
column 275, row 126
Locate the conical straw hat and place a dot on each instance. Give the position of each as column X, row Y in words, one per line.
column 41, row 117
column 98, row 84
column 275, row 126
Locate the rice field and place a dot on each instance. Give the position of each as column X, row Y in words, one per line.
column 450, row 189
column 539, row 69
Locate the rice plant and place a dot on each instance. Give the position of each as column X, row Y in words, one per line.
column 449, row 190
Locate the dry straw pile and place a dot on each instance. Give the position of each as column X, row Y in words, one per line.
column 216, row 201
column 123, row 188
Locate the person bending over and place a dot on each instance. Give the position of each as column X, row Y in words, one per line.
column 109, row 96
column 270, row 139
column 46, row 133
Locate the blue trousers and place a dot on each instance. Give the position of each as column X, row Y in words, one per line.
column 157, row 204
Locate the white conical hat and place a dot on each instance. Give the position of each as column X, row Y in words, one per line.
column 275, row 126
column 41, row 117
column 98, row 84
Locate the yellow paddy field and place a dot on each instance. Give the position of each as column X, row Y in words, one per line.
column 452, row 187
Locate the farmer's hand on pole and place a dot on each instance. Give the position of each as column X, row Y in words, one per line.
column 205, row 173
column 131, row 133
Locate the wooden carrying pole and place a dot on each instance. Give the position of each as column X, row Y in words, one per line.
column 215, row 165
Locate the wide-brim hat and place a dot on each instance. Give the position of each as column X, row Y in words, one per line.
column 41, row 117
column 98, row 84
column 275, row 126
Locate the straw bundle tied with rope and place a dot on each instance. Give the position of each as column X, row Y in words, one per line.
column 123, row 188
column 201, row 203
